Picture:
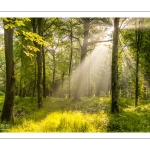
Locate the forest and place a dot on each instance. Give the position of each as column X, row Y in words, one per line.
column 75, row 74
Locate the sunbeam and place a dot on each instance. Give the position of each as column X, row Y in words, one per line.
column 95, row 70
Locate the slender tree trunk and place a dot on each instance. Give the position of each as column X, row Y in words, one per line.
column 44, row 74
column 62, row 85
column 114, row 78
column 39, row 64
column 138, row 43
column 39, row 61
column 39, row 79
column 34, row 85
column 89, row 77
column 21, row 77
column 136, row 77
column 7, row 112
column 54, row 70
column 70, row 63
column 79, row 89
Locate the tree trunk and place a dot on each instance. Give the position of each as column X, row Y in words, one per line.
column 114, row 78
column 70, row 63
column 39, row 62
column 78, row 91
column 62, row 84
column 44, row 74
column 89, row 77
column 7, row 112
column 54, row 70
column 138, row 43
column 21, row 76
column 34, row 84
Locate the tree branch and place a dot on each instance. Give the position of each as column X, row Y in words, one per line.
column 50, row 25
column 77, row 40
column 2, row 69
column 95, row 42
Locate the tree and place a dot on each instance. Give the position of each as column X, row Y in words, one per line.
column 138, row 43
column 70, row 61
column 89, row 77
column 114, row 76
column 83, row 55
column 136, row 38
column 39, row 61
column 91, row 36
column 8, row 107
column 44, row 73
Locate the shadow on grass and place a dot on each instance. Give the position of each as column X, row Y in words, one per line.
column 131, row 119
column 86, row 105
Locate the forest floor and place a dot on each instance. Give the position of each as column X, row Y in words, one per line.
column 88, row 115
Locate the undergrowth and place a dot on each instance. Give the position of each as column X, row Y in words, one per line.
column 88, row 115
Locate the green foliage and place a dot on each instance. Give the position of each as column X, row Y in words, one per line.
column 127, row 68
column 34, row 37
column 2, row 94
column 1, row 103
column 15, row 22
column 130, row 119
column 4, row 127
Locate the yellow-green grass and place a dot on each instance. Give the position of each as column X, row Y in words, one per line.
column 61, row 115
column 67, row 121
column 88, row 115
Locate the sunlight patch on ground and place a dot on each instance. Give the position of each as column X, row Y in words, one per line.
column 66, row 122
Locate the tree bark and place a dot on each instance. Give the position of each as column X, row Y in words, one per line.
column 44, row 73
column 89, row 78
column 54, row 71
column 78, row 91
column 62, row 84
column 70, row 62
column 35, row 79
column 8, row 107
column 138, row 43
column 21, row 88
column 39, row 64
column 114, row 78
column 39, row 61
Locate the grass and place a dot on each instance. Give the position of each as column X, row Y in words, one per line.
column 64, row 122
column 88, row 115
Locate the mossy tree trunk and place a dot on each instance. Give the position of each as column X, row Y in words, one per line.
column 114, row 77
column 7, row 111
